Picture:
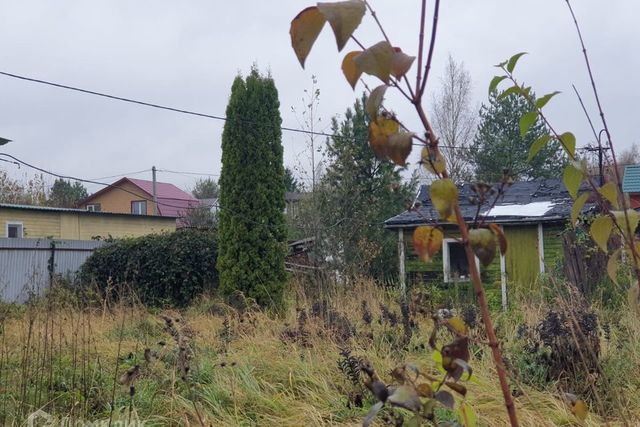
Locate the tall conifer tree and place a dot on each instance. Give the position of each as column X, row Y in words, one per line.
column 252, row 230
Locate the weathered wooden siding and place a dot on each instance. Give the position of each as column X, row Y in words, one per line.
column 552, row 246
column 522, row 261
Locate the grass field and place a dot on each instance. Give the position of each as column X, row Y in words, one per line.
column 215, row 365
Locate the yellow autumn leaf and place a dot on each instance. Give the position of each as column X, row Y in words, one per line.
column 427, row 241
column 458, row 325
column 376, row 60
column 433, row 161
column 483, row 242
column 401, row 63
column 444, row 196
column 600, row 231
column 304, row 31
column 344, row 17
column 578, row 204
column 349, row 69
column 610, row 192
column 399, row 147
column 621, row 219
column 374, row 101
column 580, row 409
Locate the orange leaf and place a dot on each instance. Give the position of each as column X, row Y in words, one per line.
column 344, row 17
column 377, row 140
column 349, row 69
column 427, row 241
column 304, row 31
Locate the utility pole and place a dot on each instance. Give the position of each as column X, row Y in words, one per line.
column 155, row 193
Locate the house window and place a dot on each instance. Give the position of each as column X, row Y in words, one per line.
column 15, row 230
column 139, row 207
column 454, row 261
column 94, row 207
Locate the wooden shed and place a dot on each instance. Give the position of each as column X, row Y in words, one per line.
column 532, row 214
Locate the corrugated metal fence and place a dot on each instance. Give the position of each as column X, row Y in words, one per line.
column 28, row 265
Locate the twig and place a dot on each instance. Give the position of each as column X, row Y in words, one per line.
column 593, row 129
column 423, row 11
column 432, row 44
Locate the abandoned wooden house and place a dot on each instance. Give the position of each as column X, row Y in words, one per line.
column 533, row 215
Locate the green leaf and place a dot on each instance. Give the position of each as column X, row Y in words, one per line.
column 600, row 231
column 495, row 81
column 374, row 101
column 466, row 416
column 513, row 61
column 621, row 219
column 613, row 264
column 541, row 102
column 507, row 92
column 538, row 145
column 304, row 31
column 610, row 192
column 377, row 60
column 578, row 204
column 526, row 121
column 344, row 17
column 568, row 141
column 572, row 177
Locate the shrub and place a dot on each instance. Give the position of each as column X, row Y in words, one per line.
column 162, row 269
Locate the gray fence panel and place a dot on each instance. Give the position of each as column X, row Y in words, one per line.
column 25, row 263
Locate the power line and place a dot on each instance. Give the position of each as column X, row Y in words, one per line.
column 183, row 111
column 122, row 174
column 187, row 173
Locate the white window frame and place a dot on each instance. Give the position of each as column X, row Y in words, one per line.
column 19, row 224
column 91, row 207
column 143, row 202
column 446, row 258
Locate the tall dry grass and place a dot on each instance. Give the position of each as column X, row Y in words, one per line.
column 248, row 367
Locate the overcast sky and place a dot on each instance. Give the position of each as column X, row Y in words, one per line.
column 186, row 55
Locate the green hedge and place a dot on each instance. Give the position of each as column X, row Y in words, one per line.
column 163, row 269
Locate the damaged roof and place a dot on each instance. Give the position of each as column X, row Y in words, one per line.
column 542, row 200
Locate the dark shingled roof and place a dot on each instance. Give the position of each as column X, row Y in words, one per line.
column 542, row 200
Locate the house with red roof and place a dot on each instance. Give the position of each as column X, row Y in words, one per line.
column 135, row 196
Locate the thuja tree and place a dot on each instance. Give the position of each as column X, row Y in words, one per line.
column 252, row 231
column 390, row 140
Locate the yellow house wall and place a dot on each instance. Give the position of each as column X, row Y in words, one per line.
column 35, row 224
column 82, row 226
column 119, row 201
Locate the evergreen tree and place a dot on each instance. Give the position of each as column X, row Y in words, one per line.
column 206, row 189
column 290, row 182
column 498, row 145
column 252, row 231
column 356, row 195
column 66, row 195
